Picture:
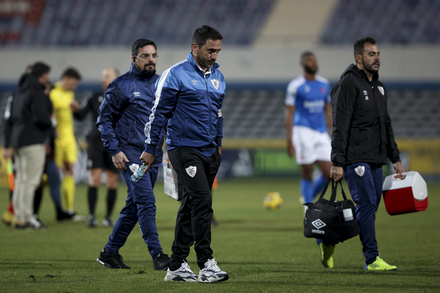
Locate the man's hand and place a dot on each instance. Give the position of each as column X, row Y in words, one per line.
column 290, row 149
column 119, row 161
column 398, row 167
column 74, row 106
column 219, row 150
column 148, row 159
column 336, row 173
column 8, row 153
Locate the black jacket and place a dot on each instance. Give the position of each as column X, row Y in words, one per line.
column 362, row 129
column 92, row 106
column 29, row 118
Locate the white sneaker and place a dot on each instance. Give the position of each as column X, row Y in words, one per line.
column 211, row 273
column 183, row 274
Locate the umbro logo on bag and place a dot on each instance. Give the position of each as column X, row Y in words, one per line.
column 318, row 224
column 191, row 171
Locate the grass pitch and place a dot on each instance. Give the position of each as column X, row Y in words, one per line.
column 262, row 250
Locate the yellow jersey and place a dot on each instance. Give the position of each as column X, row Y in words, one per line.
column 61, row 100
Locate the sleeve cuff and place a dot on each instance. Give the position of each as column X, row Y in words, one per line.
column 338, row 164
column 218, row 141
column 151, row 149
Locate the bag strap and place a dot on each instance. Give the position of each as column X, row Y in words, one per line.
column 335, row 190
column 325, row 188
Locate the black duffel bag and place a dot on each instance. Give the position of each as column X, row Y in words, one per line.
column 330, row 220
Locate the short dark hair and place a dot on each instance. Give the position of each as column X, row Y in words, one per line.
column 359, row 45
column 205, row 32
column 306, row 53
column 72, row 73
column 39, row 68
column 140, row 43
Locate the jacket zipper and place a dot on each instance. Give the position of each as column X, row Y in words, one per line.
column 209, row 106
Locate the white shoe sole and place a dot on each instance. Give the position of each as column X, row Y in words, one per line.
column 206, row 279
column 177, row 278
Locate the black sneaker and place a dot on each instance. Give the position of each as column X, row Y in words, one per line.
column 62, row 215
column 161, row 262
column 92, row 222
column 111, row 260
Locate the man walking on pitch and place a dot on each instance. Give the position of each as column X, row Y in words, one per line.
column 189, row 98
column 307, row 115
column 362, row 141
column 122, row 117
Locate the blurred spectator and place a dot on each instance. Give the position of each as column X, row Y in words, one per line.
column 26, row 130
column 98, row 157
column 63, row 100
column 8, row 216
column 307, row 111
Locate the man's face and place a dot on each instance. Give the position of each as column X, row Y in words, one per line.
column 310, row 64
column 108, row 75
column 370, row 59
column 146, row 60
column 206, row 56
column 70, row 83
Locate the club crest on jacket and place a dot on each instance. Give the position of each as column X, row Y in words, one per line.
column 215, row 83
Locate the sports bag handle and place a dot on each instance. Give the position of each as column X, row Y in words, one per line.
column 324, row 190
column 335, row 190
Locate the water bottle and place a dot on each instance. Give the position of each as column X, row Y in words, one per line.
column 138, row 174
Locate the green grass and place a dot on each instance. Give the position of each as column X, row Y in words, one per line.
column 262, row 250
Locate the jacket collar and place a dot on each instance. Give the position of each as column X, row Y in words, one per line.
column 193, row 63
column 359, row 73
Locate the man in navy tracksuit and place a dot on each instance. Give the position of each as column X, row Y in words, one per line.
column 189, row 98
column 122, row 115
column 362, row 141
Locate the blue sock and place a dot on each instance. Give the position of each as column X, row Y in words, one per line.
column 307, row 190
column 319, row 184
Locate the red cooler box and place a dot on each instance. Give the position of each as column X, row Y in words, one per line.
column 407, row 195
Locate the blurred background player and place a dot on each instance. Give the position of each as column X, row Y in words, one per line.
column 63, row 100
column 307, row 116
column 98, row 156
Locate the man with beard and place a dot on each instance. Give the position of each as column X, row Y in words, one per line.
column 362, row 140
column 98, row 158
column 122, row 116
column 307, row 116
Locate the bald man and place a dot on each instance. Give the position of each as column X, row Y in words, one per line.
column 98, row 157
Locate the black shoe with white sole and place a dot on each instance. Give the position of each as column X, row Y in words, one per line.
column 111, row 260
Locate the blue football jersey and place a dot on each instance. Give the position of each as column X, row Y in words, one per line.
column 309, row 97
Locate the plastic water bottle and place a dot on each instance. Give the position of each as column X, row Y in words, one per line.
column 138, row 174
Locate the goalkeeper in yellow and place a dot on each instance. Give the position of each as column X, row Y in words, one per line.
column 63, row 101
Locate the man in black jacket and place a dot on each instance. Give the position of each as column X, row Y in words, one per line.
column 26, row 132
column 362, row 141
column 98, row 158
